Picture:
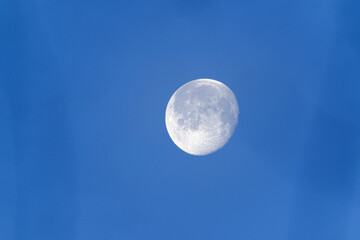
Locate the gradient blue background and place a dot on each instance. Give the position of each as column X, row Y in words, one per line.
column 84, row 152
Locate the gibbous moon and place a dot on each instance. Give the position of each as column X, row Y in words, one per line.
column 201, row 116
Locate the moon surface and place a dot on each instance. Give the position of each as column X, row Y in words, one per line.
column 201, row 116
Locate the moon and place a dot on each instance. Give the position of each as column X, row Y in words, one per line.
column 201, row 116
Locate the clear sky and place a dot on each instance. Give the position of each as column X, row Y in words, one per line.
column 84, row 152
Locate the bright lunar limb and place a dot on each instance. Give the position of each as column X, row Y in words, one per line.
column 201, row 116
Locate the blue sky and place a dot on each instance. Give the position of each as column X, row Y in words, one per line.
column 84, row 152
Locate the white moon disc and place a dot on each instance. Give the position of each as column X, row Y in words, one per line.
column 201, row 116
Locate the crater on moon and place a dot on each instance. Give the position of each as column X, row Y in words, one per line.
column 201, row 116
